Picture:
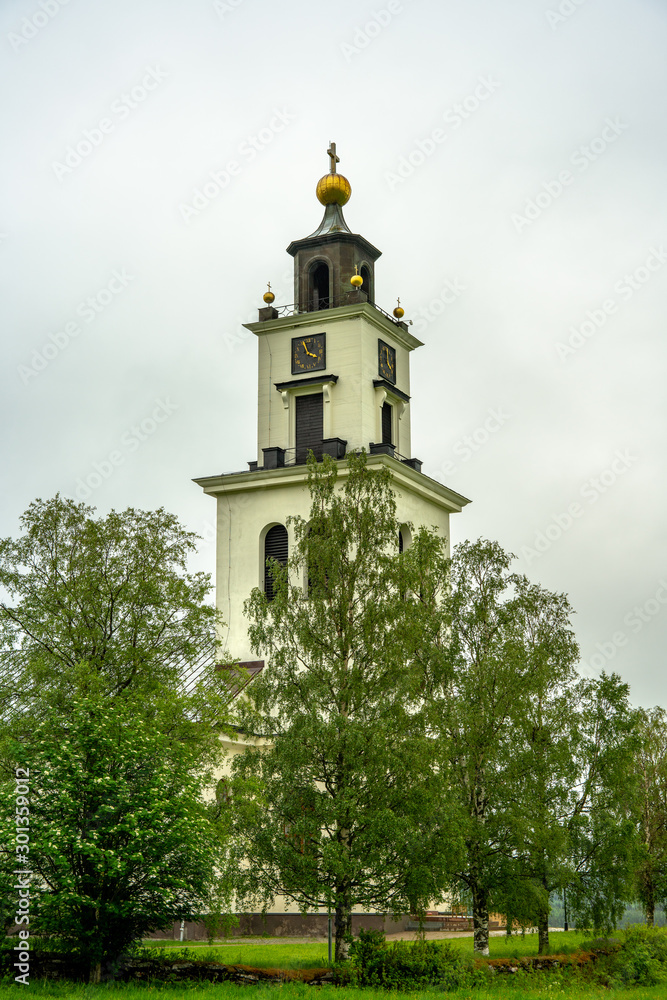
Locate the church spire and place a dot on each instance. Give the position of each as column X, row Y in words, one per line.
column 325, row 261
column 333, row 191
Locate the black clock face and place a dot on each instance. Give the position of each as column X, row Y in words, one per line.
column 386, row 361
column 308, row 353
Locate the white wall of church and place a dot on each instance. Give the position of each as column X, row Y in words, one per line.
column 259, row 501
column 352, row 406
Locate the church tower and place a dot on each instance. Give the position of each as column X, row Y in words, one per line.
column 334, row 377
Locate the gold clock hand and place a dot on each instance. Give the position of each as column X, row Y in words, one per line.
column 309, row 353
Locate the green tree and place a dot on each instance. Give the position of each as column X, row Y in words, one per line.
column 345, row 807
column 121, row 841
column 601, row 832
column 651, row 811
column 571, row 797
column 101, row 620
column 510, row 644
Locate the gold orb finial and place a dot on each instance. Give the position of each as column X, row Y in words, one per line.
column 356, row 278
column 268, row 296
column 399, row 313
column 333, row 188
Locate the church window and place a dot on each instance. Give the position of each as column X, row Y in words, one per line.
column 309, row 426
column 275, row 547
column 386, row 423
column 318, row 287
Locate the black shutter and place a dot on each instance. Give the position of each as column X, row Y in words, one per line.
column 309, row 426
column 275, row 547
column 386, row 423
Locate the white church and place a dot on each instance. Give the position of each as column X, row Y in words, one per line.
column 333, row 377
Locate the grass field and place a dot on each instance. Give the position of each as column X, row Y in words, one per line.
column 290, row 955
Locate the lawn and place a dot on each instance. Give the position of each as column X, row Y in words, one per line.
column 290, row 955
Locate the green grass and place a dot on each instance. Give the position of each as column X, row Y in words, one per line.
column 290, row 955
column 287, row 955
column 298, row 991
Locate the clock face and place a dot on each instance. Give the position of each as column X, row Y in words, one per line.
column 308, row 353
column 386, row 362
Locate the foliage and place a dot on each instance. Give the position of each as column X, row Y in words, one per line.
column 651, row 811
column 346, row 806
column 111, row 592
column 120, row 843
column 405, row 965
column 104, row 618
column 602, row 838
column 511, row 649
column 641, row 959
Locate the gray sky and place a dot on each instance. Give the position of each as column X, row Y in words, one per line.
column 507, row 158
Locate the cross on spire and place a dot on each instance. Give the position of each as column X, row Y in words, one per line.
column 332, row 156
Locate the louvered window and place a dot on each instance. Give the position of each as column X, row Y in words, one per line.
column 275, row 547
column 386, row 423
column 309, row 426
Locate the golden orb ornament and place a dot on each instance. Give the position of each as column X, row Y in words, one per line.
column 356, row 278
column 398, row 312
column 333, row 189
column 268, row 296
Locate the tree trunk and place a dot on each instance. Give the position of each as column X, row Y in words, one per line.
column 343, row 928
column 95, row 975
column 649, row 898
column 480, row 919
column 543, row 931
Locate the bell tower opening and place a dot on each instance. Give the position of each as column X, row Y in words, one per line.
column 367, row 285
column 318, row 287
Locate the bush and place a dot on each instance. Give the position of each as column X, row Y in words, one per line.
column 403, row 965
column 642, row 958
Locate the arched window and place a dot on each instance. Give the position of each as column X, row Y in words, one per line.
column 318, row 287
column 367, row 285
column 275, row 547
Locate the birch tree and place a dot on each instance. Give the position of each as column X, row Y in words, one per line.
column 346, row 807
column 510, row 644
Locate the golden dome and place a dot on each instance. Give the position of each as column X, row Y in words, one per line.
column 268, row 296
column 399, row 312
column 356, row 278
column 333, row 189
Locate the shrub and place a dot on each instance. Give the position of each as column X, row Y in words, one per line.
column 404, row 965
column 642, row 958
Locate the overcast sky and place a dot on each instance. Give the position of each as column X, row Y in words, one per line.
column 508, row 158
